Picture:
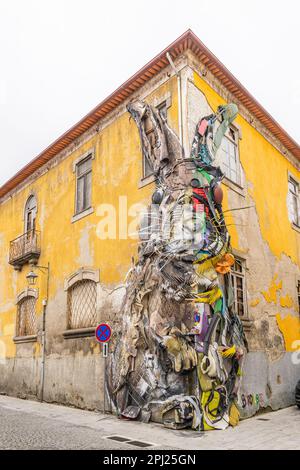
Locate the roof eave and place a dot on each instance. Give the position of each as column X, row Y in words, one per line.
column 188, row 40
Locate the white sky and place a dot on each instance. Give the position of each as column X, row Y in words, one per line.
column 60, row 58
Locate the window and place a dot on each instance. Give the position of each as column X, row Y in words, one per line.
column 230, row 162
column 149, row 129
column 83, row 184
column 239, row 289
column 147, row 167
column 26, row 317
column 162, row 108
column 81, row 288
column 293, row 201
column 30, row 214
column 82, row 304
column 298, row 294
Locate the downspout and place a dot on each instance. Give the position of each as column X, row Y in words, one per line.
column 43, row 349
column 179, row 92
column 45, row 302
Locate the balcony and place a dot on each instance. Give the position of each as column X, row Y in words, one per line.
column 24, row 249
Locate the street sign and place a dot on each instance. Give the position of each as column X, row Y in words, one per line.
column 105, row 349
column 103, row 333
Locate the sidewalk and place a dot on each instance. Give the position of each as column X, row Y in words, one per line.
column 275, row 430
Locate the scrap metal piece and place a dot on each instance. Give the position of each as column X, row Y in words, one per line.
column 180, row 344
column 131, row 412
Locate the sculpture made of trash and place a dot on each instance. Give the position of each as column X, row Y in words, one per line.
column 176, row 357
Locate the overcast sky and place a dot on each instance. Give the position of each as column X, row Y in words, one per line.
column 60, row 58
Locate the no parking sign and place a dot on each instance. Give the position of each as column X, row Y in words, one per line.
column 103, row 335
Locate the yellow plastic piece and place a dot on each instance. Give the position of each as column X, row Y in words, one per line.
column 234, row 415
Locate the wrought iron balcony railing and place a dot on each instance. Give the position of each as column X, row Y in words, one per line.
column 25, row 248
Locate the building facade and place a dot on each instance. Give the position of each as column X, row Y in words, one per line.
column 68, row 232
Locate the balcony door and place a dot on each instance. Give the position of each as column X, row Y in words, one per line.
column 30, row 214
column 30, row 218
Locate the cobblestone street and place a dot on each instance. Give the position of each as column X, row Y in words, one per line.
column 32, row 425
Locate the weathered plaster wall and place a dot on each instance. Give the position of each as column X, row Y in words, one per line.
column 267, row 384
column 264, row 237
column 73, row 371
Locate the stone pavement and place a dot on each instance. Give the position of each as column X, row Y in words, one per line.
column 26, row 424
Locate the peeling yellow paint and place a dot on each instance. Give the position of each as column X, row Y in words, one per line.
column 271, row 294
column 37, row 349
column 67, row 246
column 274, row 224
column 117, row 170
column 290, row 328
column 286, row 301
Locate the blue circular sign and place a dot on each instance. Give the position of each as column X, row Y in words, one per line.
column 103, row 333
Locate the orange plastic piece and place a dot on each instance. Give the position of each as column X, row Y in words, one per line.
column 223, row 266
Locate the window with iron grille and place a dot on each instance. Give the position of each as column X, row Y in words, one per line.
column 149, row 129
column 82, row 304
column 26, row 317
column 83, row 184
column 239, row 287
column 30, row 214
column 294, row 201
column 230, row 161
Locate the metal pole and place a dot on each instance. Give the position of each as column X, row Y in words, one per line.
column 105, row 354
column 104, row 376
column 45, row 303
column 43, row 350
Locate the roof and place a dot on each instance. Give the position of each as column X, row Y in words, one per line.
column 187, row 41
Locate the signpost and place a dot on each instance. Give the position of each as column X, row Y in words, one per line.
column 103, row 335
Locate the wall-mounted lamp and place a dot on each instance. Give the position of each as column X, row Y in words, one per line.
column 31, row 278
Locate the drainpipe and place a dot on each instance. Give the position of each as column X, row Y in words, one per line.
column 177, row 73
column 45, row 302
column 43, row 349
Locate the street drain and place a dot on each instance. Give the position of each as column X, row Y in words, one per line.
column 129, row 441
column 263, row 419
column 139, row 444
column 117, row 438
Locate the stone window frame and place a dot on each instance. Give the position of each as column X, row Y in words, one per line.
column 239, row 257
column 157, row 103
column 88, row 154
column 32, row 195
column 84, row 273
column 28, row 292
column 247, row 320
column 235, row 185
column 292, row 178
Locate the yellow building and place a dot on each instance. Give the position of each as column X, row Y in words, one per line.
column 68, row 223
